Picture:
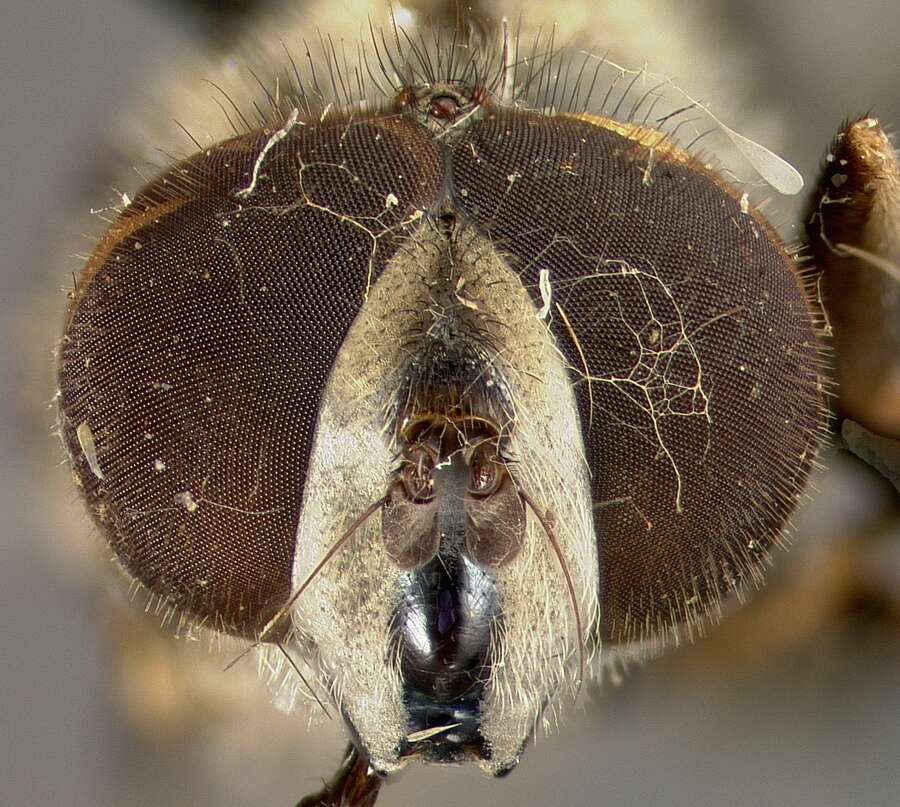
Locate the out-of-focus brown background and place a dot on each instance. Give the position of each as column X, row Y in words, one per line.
column 794, row 700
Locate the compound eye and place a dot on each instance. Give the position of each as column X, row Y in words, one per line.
column 665, row 288
column 199, row 344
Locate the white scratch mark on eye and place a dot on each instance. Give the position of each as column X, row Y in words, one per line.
column 88, row 448
column 546, row 293
column 278, row 136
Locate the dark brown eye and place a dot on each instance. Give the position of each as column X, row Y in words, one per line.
column 199, row 342
column 690, row 338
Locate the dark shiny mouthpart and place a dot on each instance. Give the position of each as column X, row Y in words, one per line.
column 444, row 627
column 459, row 742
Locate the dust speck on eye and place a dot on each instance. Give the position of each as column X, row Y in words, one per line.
column 187, row 501
column 159, row 466
column 745, row 204
column 391, row 201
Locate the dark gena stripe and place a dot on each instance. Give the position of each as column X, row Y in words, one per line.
column 682, row 305
column 200, row 339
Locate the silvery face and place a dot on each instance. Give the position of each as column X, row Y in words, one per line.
column 455, row 635
column 530, row 378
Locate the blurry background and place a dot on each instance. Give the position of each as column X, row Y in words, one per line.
column 794, row 700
